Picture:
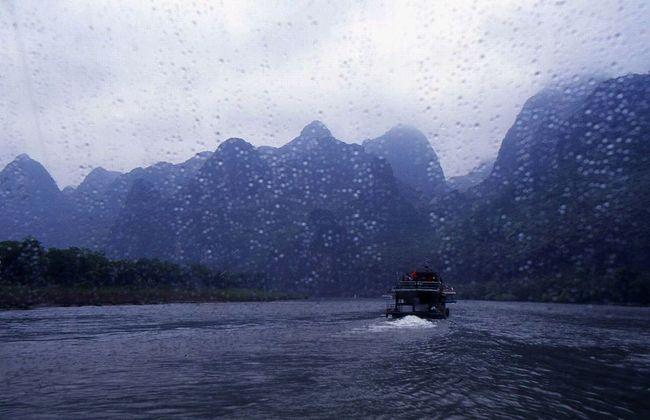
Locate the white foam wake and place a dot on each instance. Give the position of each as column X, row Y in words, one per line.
column 408, row 322
column 412, row 321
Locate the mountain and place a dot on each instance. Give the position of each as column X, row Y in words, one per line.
column 413, row 160
column 566, row 200
column 97, row 182
column 603, row 180
column 472, row 178
column 221, row 208
column 311, row 213
column 25, row 178
column 101, row 196
column 137, row 229
column 166, row 177
column 30, row 202
column 561, row 215
column 528, row 152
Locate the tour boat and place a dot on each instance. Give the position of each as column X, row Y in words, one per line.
column 421, row 293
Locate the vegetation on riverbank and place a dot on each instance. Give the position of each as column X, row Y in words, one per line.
column 620, row 287
column 31, row 275
column 22, row 297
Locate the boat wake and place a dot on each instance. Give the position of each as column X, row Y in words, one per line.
column 410, row 322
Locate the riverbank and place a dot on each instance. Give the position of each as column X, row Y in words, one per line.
column 627, row 289
column 21, row 297
column 31, row 275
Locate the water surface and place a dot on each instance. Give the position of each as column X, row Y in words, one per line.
column 324, row 359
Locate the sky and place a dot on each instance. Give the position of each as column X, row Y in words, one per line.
column 122, row 84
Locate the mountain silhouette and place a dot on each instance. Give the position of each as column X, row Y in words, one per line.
column 412, row 158
column 564, row 204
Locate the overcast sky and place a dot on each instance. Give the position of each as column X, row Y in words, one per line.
column 127, row 84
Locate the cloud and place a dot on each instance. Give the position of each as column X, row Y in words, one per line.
column 125, row 84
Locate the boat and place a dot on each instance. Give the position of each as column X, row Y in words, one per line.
column 421, row 293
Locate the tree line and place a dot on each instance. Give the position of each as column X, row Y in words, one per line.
column 31, row 275
column 622, row 286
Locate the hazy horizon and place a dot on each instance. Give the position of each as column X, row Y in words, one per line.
column 182, row 159
column 90, row 84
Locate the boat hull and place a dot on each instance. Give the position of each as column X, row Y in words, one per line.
column 421, row 294
column 419, row 314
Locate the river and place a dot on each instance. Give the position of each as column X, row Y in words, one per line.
column 325, row 359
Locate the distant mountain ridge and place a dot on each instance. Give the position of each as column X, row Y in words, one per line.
column 412, row 158
column 316, row 200
column 472, row 178
column 565, row 200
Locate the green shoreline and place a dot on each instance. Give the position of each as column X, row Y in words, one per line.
column 20, row 297
column 34, row 276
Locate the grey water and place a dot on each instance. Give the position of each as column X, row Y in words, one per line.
column 325, row 359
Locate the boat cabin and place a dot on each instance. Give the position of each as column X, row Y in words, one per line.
column 421, row 293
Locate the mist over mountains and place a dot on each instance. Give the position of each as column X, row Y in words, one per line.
column 565, row 205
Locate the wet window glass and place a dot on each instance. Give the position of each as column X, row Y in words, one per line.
column 236, row 209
